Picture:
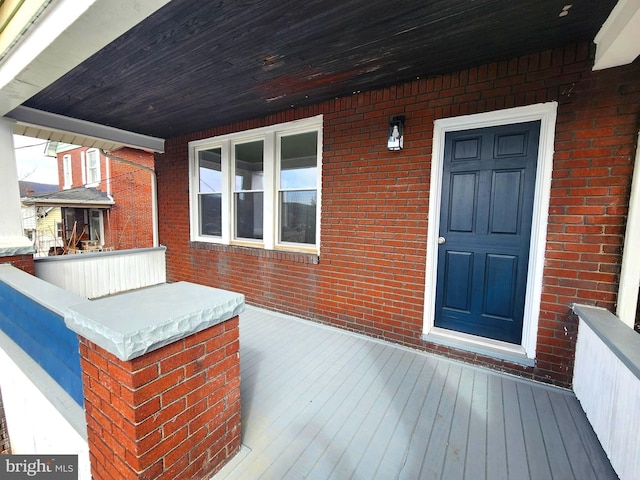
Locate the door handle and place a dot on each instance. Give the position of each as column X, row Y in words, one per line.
column 441, row 240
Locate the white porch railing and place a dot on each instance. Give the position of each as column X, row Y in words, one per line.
column 606, row 380
column 94, row 275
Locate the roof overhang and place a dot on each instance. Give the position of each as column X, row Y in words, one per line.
column 618, row 41
column 106, row 204
column 61, row 37
column 49, row 126
column 42, row 40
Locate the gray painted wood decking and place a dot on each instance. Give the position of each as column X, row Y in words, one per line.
column 320, row 403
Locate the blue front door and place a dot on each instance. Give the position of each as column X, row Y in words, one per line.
column 485, row 228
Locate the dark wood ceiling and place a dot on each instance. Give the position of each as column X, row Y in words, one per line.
column 196, row 64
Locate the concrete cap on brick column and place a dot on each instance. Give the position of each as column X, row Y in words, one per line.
column 131, row 324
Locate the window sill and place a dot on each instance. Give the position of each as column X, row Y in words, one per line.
column 294, row 256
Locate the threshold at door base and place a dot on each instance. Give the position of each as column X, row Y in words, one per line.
column 480, row 345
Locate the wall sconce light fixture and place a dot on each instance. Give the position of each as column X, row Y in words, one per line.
column 395, row 139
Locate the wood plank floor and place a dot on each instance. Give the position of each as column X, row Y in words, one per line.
column 321, row 403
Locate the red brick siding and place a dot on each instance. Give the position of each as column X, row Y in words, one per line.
column 76, row 167
column 370, row 274
column 130, row 219
column 5, row 443
column 22, row 262
column 173, row 413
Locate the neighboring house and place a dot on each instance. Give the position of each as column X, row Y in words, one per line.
column 42, row 225
column 104, row 202
column 49, row 230
column 69, row 219
column 125, row 176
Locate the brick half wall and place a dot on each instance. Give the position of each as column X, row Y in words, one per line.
column 173, row 413
column 22, row 262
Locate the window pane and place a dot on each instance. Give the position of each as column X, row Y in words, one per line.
column 93, row 174
column 249, row 215
column 299, row 162
column 298, row 216
column 210, row 170
column 249, row 166
column 94, row 226
column 211, row 214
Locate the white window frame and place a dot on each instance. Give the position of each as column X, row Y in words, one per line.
column 90, row 180
column 269, row 135
column 83, row 167
column 67, row 172
column 546, row 113
column 89, row 215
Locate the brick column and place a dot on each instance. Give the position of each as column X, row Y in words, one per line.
column 169, row 413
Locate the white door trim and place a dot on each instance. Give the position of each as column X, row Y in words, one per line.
column 546, row 113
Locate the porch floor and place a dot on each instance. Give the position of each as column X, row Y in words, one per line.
column 321, row 403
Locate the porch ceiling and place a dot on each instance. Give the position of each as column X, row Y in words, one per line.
column 193, row 65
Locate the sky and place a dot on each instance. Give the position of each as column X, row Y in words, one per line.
column 33, row 165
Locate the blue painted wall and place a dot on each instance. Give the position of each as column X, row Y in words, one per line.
column 43, row 335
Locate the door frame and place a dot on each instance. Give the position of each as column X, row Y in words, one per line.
column 546, row 113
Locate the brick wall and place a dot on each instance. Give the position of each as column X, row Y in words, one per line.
column 76, row 167
column 5, row 444
column 130, row 219
column 22, row 262
column 371, row 271
column 173, row 413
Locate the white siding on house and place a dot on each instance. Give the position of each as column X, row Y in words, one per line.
column 29, row 217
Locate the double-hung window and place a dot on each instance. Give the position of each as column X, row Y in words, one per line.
column 67, row 172
column 92, row 168
column 259, row 188
column 298, row 188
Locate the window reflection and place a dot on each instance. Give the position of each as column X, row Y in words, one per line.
column 298, row 216
column 210, row 196
column 298, row 184
column 299, row 161
column 248, row 196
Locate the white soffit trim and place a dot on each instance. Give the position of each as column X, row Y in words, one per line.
column 64, row 35
column 618, row 41
column 50, row 126
column 630, row 273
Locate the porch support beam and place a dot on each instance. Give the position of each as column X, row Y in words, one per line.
column 618, row 41
column 12, row 239
column 630, row 273
column 81, row 132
